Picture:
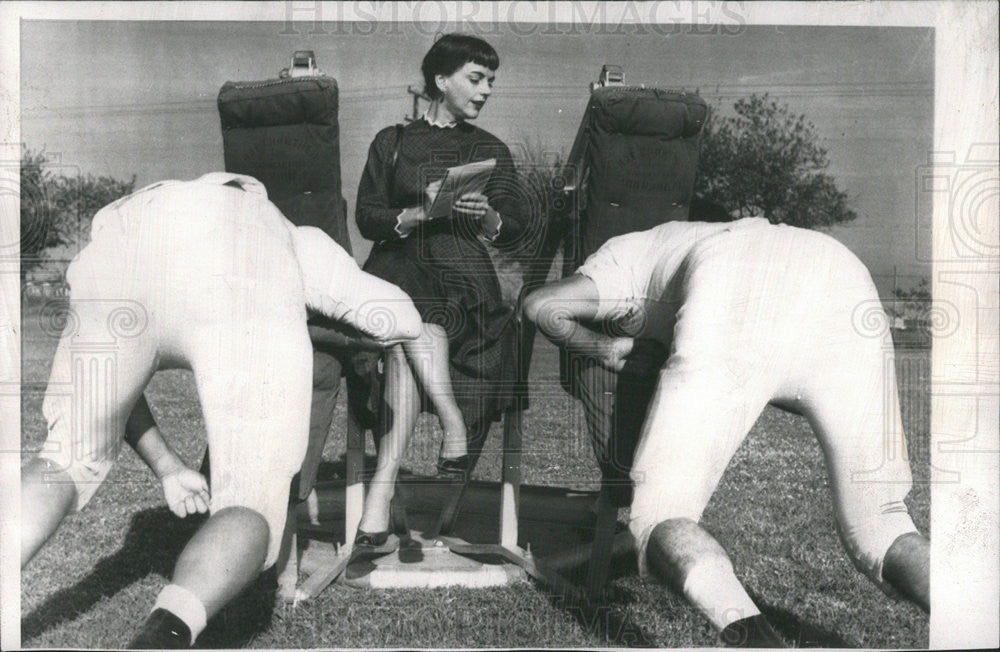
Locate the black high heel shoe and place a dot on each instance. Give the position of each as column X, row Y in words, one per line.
column 369, row 546
column 454, row 467
column 371, row 540
column 377, row 543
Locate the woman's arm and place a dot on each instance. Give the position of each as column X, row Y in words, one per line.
column 376, row 219
column 562, row 311
column 511, row 213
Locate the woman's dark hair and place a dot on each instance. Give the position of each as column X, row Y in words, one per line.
column 451, row 52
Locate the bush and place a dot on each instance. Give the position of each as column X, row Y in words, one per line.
column 766, row 161
column 56, row 209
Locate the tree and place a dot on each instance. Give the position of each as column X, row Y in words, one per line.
column 38, row 229
column 541, row 192
column 56, row 209
column 766, row 161
column 913, row 304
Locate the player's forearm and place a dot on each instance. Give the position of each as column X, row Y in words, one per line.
column 343, row 338
column 380, row 311
column 337, row 289
column 142, row 434
column 565, row 311
column 570, row 334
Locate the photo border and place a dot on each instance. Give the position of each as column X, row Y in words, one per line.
column 965, row 600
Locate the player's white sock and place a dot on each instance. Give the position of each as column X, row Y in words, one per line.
column 712, row 587
column 185, row 605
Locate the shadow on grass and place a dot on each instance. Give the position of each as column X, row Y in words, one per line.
column 152, row 544
column 798, row 632
column 601, row 621
column 605, row 620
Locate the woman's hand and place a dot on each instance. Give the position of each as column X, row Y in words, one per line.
column 473, row 205
column 410, row 219
column 476, row 206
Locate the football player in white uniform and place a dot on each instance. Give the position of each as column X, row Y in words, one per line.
column 206, row 275
column 751, row 313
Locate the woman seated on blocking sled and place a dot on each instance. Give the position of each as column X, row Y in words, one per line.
column 463, row 358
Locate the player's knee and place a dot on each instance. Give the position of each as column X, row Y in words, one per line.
column 908, row 557
column 43, row 469
column 436, row 331
column 679, row 551
column 253, row 526
column 906, row 567
column 251, row 531
column 655, row 542
column 59, row 483
column 410, row 322
column 531, row 306
column 79, row 479
column 246, row 518
column 259, row 510
column 910, row 549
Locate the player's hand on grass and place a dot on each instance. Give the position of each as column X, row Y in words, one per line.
column 186, row 492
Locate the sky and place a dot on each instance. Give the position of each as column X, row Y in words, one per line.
column 121, row 98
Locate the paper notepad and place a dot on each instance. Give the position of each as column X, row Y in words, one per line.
column 471, row 177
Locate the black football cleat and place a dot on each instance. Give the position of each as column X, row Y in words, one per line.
column 162, row 631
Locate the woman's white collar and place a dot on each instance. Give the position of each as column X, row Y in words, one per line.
column 439, row 122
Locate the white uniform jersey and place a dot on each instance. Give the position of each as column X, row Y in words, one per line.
column 637, row 274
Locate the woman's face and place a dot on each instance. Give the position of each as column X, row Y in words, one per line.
column 465, row 91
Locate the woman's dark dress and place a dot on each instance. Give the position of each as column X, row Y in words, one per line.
column 443, row 264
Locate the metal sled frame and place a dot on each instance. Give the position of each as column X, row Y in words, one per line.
column 330, row 562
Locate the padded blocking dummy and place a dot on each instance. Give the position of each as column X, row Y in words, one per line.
column 285, row 133
column 639, row 161
column 641, row 157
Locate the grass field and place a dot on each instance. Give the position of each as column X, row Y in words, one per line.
column 97, row 577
